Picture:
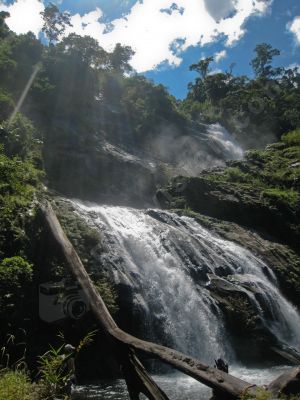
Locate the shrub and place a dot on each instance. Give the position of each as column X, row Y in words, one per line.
column 16, row 385
column 15, row 275
column 234, row 174
column 15, row 272
column 108, row 294
column 53, row 374
column 292, row 138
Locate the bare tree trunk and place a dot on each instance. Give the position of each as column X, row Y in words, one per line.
column 137, row 379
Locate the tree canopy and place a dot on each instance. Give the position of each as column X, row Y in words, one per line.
column 257, row 110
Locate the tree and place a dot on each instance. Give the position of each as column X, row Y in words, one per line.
column 3, row 27
column 261, row 64
column 217, row 87
column 202, row 67
column 120, row 57
column 55, row 22
column 85, row 50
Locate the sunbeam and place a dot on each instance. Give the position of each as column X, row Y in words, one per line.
column 23, row 96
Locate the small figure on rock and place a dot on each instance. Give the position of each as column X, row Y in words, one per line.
column 69, row 364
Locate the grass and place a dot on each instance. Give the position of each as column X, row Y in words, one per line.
column 287, row 196
column 15, row 385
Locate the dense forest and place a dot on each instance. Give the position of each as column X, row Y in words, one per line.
column 76, row 121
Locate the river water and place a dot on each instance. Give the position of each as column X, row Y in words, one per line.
column 176, row 386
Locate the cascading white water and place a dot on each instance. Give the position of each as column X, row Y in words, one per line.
column 168, row 260
column 226, row 142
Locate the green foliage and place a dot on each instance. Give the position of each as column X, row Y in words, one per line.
column 83, row 237
column 289, row 197
column 292, row 138
column 148, row 107
column 4, row 30
column 6, row 104
column 18, row 182
column 15, row 278
column 202, row 67
column 55, row 22
column 256, row 111
column 108, row 295
column 261, row 394
column 18, row 57
column 275, row 172
column 120, row 57
column 15, row 272
column 20, row 139
column 53, row 374
column 16, row 385
column 234, row 174
column 261, row 64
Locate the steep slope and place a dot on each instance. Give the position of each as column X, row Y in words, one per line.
column 260, row 192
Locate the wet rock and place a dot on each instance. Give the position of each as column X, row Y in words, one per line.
column 283, row 261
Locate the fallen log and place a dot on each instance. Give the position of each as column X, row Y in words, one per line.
column 287, row 384
column 137, row 379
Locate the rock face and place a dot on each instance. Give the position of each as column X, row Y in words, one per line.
column 123, row 172
column 233, row 202
column 107, row 174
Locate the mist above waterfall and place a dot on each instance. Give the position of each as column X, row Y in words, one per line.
column 204, row 146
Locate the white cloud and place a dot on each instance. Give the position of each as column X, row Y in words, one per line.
column 24, row 16
column 294, row 27
column 215, row 71
column 87, row 24
column 293, row 66
column 159, row 32
column 220, row 55
column 158, row 36
column 219, row 9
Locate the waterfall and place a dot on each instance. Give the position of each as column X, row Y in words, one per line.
column 207, row 147
column 227, row 145
column 168, row 263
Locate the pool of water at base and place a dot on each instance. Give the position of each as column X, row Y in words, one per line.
column 176, row 386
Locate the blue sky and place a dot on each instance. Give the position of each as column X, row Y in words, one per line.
column 169, row 35
column 270, row 28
